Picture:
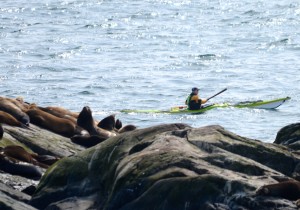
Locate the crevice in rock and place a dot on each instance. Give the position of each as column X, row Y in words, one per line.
column 139, row 147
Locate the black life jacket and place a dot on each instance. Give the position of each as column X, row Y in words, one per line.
column 193, row 105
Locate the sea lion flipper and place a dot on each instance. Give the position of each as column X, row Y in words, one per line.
column 118, row 125
column 108, row 123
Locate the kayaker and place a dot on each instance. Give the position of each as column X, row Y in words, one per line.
column 193, row 101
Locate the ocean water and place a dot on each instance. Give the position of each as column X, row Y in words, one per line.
column 113, row 55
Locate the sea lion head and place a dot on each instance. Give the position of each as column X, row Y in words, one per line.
column 85, row 117
column 20, row 99
column 25, row 120
column 262, row 191
column 118, row 124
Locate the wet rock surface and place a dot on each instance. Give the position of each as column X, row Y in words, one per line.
column 169, row 166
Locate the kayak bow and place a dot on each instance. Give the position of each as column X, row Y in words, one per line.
column 270, row 104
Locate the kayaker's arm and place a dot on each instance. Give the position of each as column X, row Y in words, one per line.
column 203, row 100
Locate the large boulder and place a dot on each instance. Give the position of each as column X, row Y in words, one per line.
column 169, row 166
column 289, row 136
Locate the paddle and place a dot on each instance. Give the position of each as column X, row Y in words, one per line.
column 217, row 94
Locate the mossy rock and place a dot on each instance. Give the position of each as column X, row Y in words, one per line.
column 169, row 166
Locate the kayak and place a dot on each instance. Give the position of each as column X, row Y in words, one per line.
column 269, row 104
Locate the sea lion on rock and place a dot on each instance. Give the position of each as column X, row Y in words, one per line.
column 8, row 106
column 60, row 112
column 50, row 122
column 108, row 123
column 27, row 171
column 127, row 128
column 22, row 102
column 86, row 121
column 118, row 124
column 8, row 119
column 19, row 102
column 288, row 190
column 46, row 159
column 63, row 111
column 20, row 154
column 87, row 141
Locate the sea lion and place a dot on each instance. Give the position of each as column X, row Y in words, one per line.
column 58, row 112
column 288, row 190
column 127, row 128
column 46, row 159
column 118, row 124
column 87, row 141
column 19, row 102
column 8, row 119
column 27, row 171
column 20, row 154
column 1, row 132
column 108, row 123
column 63, row 111
column 24, row 104
column 8, row 106
column 86, row 121
column 50, row 122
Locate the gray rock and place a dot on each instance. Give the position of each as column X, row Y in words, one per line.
column 43, row 141
column 14, row 194
column 169, row 166
column 73, row 203
column 8, row 203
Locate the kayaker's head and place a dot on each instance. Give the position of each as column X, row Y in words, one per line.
column 195, row 90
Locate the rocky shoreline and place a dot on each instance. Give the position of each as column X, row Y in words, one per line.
column 169, row 166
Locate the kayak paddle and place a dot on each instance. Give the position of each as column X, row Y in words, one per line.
column 217, row 94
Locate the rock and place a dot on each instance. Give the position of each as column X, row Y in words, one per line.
column 14, row 194
column 73, row 203
column 33, row 140
column 169, row 166
column 8, row 203
column 42, row 141
column 29, row 190
column 289, row 136
column 271, row 155
column 13, row 199
column 16, row 182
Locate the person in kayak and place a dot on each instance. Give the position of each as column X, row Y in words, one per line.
column 193, row 101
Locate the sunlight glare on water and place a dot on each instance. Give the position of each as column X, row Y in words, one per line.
column 114, row 55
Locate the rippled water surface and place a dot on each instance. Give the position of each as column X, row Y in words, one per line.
column 114, row 55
